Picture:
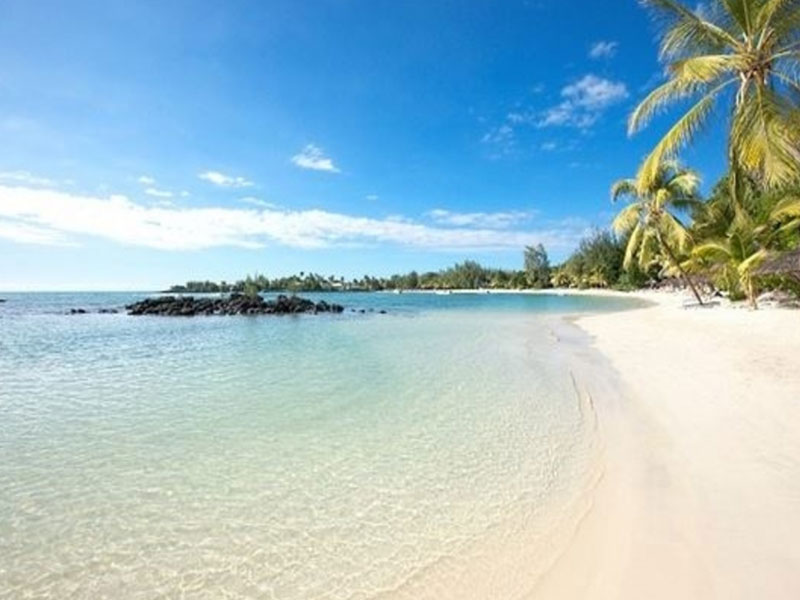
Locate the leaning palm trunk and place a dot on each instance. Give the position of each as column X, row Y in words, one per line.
column 676, row 263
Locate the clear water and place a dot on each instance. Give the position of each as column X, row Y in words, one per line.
column 423, row 453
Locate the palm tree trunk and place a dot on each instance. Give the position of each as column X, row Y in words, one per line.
column 751, row 295
column 677, row 265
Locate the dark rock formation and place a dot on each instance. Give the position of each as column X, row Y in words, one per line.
column 235, row 304
column 77, row 311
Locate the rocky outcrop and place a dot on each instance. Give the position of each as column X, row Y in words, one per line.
column 235, row 304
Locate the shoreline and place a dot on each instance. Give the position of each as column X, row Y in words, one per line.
column 701, row 478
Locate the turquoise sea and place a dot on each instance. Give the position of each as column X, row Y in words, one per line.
column 439, row 450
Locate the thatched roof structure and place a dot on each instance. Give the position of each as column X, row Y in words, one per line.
column 787, row 263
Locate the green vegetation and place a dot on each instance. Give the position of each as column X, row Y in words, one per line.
column 753, row 214
column 537, row 266
column 466, row 275
column 597, row 263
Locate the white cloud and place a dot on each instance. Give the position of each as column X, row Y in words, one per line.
column 372, row 197
column 496, row 220
column 257, row 202
column 146, row 180
column 223, row 180
column 549, row 146
column 25, row 177
column 37, row 216
column 24, row 233
column 595, row 93
column 312, row 157
column 584, row 102
column 399, row 219
column 499, row 135
column 158, row 193
column 603, row 50
column 520, row 117
column 502, row 139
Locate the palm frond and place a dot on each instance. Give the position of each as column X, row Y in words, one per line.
column 623, row 187
column 684, row 184
column 648, row 248
column 786, row 79
column 677, row 236
column 689, row 31
column 763, row 140
column 633, row 246
column 667, row 93
column 715, row 250
column 627, row 219
column 788, row 207
column 774, row 11
column 783, row 22
column 707, row 68
column 752, row 262
column 740, row 11
column 680, row 134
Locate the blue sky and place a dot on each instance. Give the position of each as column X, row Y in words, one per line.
column 146, row 143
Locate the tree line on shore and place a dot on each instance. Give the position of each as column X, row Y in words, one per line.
column 465, row 275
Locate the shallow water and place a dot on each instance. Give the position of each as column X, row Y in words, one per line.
column 351, row 456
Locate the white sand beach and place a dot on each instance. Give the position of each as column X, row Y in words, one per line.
column 701, row 492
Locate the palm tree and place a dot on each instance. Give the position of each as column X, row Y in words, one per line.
column 745, row 52
column 754, row 227
column 647, row 220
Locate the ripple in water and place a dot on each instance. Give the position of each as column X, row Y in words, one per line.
column 422, row 454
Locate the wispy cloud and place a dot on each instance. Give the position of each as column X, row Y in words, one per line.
column 257, row 202
column 603, row 50
column 313, row 157
column 146, row 180
column 25, row 177
column 584, row 102
column 372, row 197
column 502, row 137
column 495, row 220
column 25, row 233
column 157, row 193
column 40, row 216
column 223, row 180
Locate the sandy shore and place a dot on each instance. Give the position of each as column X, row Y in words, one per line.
column 701, row 492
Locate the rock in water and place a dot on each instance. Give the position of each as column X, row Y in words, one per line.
column 235, row 304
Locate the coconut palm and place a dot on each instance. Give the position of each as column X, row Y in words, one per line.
column 745, row 53
column 653, row 231
column 755, row 227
